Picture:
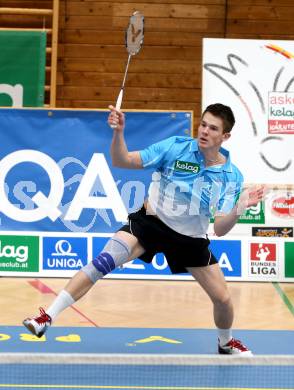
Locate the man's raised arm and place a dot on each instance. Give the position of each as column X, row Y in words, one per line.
column 249, row 197
column 120, row 155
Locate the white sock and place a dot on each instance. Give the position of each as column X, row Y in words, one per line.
column 62, row 301
column 224, row 335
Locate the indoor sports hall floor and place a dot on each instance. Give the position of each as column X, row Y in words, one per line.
column 150, row 304
column 145, row 317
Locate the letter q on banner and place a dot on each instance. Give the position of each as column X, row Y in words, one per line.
column 47, row 205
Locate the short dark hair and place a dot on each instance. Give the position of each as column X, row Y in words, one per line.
column 223, row 112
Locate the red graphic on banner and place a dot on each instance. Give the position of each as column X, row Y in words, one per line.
column 263, row 252
column 280, row 126
column 280, row 50
column 284, row 206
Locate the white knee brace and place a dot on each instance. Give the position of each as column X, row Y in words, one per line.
column 115, row 253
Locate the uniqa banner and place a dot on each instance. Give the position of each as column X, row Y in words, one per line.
column 56, row 173
column 60, row 197
column 22, row 68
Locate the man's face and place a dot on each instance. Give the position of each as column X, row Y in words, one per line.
column 211, row 132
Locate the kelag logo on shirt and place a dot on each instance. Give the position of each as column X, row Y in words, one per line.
column 186, row 166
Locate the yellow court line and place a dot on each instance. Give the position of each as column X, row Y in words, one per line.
column 9, row 385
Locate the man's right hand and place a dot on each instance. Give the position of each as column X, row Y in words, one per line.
column 116, row 119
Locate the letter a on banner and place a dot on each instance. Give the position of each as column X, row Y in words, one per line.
column 98, row 167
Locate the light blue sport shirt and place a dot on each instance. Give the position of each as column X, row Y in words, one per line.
column 184, row 193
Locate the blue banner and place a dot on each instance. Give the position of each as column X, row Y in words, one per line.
column 56, row 173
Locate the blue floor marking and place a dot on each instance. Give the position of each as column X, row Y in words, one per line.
column 139, row 340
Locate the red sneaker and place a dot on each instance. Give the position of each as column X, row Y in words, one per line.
column 234, row 347
column 38, row 325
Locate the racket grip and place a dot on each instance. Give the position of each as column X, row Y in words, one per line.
column 118, row 105
column 119, row 100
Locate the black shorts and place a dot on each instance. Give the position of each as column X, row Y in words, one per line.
column 180, row 251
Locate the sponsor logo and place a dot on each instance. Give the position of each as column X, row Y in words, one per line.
column 158, row 266
column 263, row 260
column 19, row 253
column 281, row 113
column 272, row 232
column 186, row 166
column 283, row 206
column 289, row 259
column 68, row 253
column 48, row 202
column 228, row 254
column 253, row 214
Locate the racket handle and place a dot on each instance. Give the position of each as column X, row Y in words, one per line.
column 118, row 105
column 119, row 100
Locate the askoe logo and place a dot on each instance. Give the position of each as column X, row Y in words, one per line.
column 19, row 253
column 64, row 253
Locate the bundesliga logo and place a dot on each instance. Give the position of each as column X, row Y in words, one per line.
column 263, row 259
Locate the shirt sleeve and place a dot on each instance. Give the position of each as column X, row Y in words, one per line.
column 153, row 156
column 230, row 194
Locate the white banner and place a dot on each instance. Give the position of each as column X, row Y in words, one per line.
column 255, row 78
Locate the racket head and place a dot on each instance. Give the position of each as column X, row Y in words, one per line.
column 135, row 33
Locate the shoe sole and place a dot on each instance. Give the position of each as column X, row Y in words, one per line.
column 224, row 352
column 30, row 327
column 245, row 353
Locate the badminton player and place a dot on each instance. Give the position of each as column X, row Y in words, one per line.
column 193, row 181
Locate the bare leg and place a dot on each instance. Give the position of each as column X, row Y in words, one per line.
column 79, row 285
column 212, row 280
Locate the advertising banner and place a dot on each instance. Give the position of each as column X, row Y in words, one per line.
column 57, row 183
column 262, row 140
column 241, row 258
column 289, row 260
column 22, row 68
column 263, row 260
column 255, row 78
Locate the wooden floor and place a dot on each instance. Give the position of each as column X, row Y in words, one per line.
column 140, row 303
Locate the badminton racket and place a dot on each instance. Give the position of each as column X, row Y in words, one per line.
column 134, row 37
